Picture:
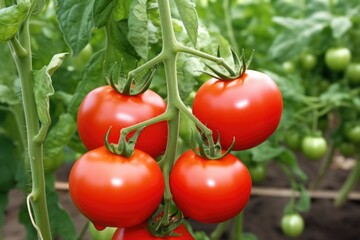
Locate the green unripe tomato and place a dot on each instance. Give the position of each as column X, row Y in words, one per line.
column 313, row 147
column 347, row 149
column 293, row 140
column 352, row 132
column 288, row 67
column 258, row 172
column 308, row 61
column 353, row 73
column 105, row 234
column 337, row 59
column 292, row 224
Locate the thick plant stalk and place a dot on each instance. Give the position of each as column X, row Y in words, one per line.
column 37, row 197
column 349, row 184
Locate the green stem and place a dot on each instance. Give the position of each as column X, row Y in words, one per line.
column 219, row 230
column 219, row 61
column 228, row 23
column 238, row 227
column 315, row 120
column 349, row 184
column 169, row 51
column 324, row 168
column 35, row 149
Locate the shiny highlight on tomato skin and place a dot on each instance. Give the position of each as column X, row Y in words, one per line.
column 113, row 191
column 248, row 108
column 210, row 191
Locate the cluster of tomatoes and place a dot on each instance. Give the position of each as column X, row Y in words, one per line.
column 112, row 190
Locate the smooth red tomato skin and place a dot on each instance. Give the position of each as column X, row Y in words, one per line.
column 140, row 232
column 114, row 191
column 248, row 108
column 210, row 191
column 104, row 107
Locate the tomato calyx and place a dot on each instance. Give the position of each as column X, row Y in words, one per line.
column 205, row 147
column 162, row 226
column 240, row 66
column 124, row 147
column 128, row 85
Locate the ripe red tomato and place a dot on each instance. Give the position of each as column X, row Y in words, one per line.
column 104, row 107
column 248, row 108
column 140, row 232
column 113, row 191
column 210, row 191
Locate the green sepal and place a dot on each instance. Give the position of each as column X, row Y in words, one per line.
column 124, row 147
column 156, row 227
column 204, row 146
column 240, row 66
column 127, row 85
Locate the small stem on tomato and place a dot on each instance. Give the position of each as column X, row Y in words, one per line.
column 349, row 184
column 219, row 61
column 162, row 117
column 154, row 61
column 219, row 230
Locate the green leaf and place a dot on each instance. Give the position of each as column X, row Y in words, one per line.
column 61, row 224
column 11, row 19
column 39, row 5
column 118, row 47
column 43, row 89
column 266, row 151
column 3, row 205
column 56, row 140
column 9, row 161
column 336, row 95
column 289, row 160
column 102, row 10
column 75, row 18
column 138, row 27
column 92, row 78
column 7, row 95
column 304, row 202
column 121, row 10
column 189, row 17
column 340, row 26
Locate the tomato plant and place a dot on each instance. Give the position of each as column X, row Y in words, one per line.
column 105, row 234
column 293, row 140
column 347, row 149
column 210, row 191
column 140, row 232
column 308, row 61
column 292, row 224
column 314, row 147
column 353, row 73
column 258, row 172
column 112, row 190
column 352, row 132
column 104, row 107
column 337, row 59
column 247, row 109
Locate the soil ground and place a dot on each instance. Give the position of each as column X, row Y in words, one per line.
column 262, row 214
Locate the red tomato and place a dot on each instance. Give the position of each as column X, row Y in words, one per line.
column 114, row 191
column 104, row 107
column 140, row 232
column 210, row 191
column 248, row 108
